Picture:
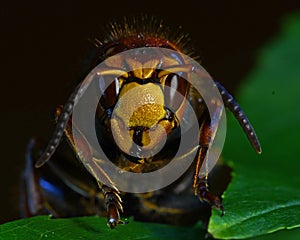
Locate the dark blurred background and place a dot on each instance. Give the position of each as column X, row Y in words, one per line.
column 43, row 46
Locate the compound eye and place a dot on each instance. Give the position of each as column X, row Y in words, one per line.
column 109, row 91
column 175, row 88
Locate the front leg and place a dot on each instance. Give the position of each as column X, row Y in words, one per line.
column 207, row 133
column 113, row 204
column 205, row 195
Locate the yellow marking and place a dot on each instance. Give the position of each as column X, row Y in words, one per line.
column 142, row 70
column 147, row 194
column 136, row 66
column 143, row 106
column 113, row 71
column 120, row 130
column 140, row 106
column 152, row 206
column 137, row 168
column 163, row 79
column 149, row 67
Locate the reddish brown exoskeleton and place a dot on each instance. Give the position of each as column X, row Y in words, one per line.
column 63, row 188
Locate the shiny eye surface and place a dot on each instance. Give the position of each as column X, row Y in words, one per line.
column 109, row 91
column 174, row 86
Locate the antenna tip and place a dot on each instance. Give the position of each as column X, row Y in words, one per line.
column 43, row 159
column 259, row 150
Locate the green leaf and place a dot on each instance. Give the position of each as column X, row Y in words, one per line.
column 43, row 227
column 281, row 235
column 264, row 195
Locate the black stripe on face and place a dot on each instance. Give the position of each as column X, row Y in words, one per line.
column 138, row 135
